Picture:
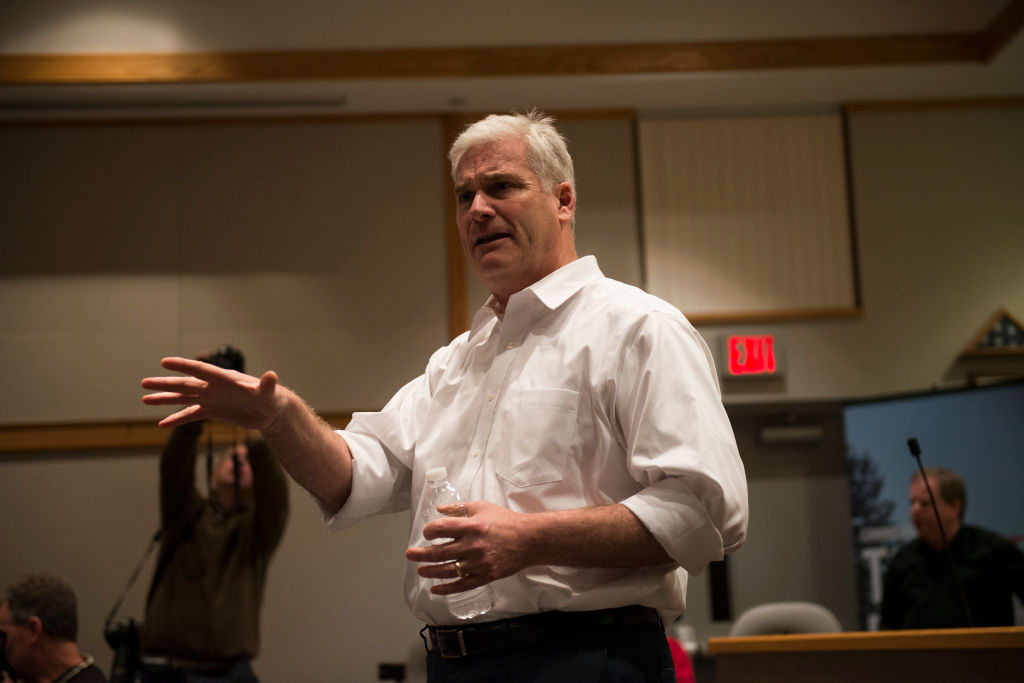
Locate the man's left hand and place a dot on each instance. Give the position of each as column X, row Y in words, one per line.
column 488, row 542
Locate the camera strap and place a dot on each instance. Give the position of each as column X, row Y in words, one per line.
column 166, row 555
column 157, row 573
column 209, row 460
column 133, row 578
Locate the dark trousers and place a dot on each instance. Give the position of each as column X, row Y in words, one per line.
column 633, row 654
column 238, row 672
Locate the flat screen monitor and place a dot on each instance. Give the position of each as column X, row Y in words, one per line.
column 977, row 431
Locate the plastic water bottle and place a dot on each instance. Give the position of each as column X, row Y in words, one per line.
column 439, row 491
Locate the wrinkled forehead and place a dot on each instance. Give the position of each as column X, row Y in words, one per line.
column 507, row 155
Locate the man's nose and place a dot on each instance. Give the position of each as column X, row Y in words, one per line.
column 480, row 206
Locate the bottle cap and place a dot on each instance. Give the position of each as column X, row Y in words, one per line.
column 436, row 475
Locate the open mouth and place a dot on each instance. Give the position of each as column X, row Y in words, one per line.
column 491, row 237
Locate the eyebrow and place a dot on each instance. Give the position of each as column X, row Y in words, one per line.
column 490, row 178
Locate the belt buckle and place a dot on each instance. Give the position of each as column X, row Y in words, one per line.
column 441, row 643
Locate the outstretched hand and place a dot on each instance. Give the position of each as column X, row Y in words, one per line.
column 208, row 391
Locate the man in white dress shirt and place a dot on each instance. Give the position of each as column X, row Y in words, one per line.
column 580, row 417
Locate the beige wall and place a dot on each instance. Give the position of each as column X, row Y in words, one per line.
column 938, row 220
column 299, row 241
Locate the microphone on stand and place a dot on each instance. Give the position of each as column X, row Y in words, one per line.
column 915, row 451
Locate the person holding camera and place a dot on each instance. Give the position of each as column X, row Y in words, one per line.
column 38, row 634
column 203, row 609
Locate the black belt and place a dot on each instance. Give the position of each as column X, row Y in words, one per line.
column 530, row 630
column 209, row 668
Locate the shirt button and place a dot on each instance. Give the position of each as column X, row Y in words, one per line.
column 490, row 397
column 476, row 452
column 510, row 346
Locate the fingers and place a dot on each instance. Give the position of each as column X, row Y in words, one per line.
column 173, row 383
column 165, row 399
column 198, row 377
column 433, row 554
column 445, row 526
column 460, row 586
column 452, row 560
column 182, row 391
column 454, row 510
column 192, row 413
column 465, row 581
column 444, row 570
column 196, row 368
column 268, row 382
column 455, row 523
column 172, row 391
column 210, row 392
column 171, row 398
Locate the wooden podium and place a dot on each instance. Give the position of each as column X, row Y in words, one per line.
column 990, row 655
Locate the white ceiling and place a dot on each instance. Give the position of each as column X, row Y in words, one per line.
column 175, row 26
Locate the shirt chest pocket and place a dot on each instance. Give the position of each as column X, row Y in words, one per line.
column 535, row 431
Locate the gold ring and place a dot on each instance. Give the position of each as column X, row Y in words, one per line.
column 458, row 569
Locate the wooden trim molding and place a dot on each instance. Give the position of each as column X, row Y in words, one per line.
column 485, row 62
column 110, row 435
column 735, row 317
column 886, row 106
column 940, row 655
column 941, row 639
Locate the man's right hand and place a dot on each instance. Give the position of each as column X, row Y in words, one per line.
column 208, row 391
column 313, row 454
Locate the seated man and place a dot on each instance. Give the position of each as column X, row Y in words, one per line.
column 39, row 630
column 920, row 589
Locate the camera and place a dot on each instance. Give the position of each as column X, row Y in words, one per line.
column 5, row 666
column 123, row 637
column 227, row 357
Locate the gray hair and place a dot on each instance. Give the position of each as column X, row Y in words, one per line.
column 546, row 151
column 47, row 597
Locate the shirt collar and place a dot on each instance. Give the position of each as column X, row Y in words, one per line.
column 556, row 288
column 551, row 291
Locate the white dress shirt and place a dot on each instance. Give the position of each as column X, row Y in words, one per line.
column 585, row 392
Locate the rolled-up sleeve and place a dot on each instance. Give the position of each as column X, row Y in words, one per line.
column 680, row 444
column 375, row 476
column 382, row 445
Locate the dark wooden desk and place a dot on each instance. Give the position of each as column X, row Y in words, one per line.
column 991, row 655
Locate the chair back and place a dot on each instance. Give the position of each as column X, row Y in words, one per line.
column 785, row 617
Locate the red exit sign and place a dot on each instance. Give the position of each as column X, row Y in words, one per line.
column 752, row 355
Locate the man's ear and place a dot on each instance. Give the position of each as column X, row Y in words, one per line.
column 35, row 627
column 566, row 201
